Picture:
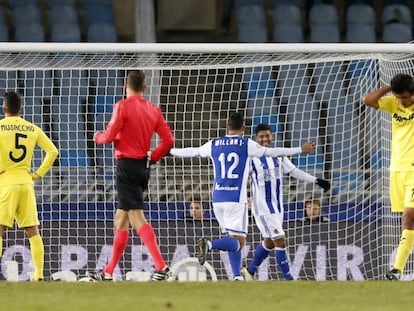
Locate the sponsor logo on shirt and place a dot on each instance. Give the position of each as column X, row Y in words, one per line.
column 402, row 119
column 225, row 188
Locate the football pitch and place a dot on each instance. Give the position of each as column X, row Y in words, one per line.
column 228, row 296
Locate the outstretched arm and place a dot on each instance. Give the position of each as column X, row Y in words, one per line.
column 297, row 173
column 301, row 175
column 277, row 152
column 189, row 152
column 185, row 152
column 371, row 99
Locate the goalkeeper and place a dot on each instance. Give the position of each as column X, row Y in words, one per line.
column 18, row 139
column 400, row 105
column 266, row 175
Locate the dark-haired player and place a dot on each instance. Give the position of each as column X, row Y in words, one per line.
column 400, row 105
column 134, row 120
column 231, row 156
column 18, row 139
column 267, row 208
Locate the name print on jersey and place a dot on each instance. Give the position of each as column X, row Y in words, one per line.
column 17, row 127
column 236, row 141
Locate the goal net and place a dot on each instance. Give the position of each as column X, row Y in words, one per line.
column 305, row 92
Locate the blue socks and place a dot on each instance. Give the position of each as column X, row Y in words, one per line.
column 282, row 260
column 232, row 246
column 225, row 244
column 259, row 255
column 283, row 263
column 235, row 262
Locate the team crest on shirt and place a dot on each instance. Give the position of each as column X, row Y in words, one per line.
column 270, row 174
column 267, row 175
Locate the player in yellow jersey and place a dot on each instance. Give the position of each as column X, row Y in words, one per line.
column 400, row 105
column 18, row 139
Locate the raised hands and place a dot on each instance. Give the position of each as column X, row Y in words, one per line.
column 308, row 147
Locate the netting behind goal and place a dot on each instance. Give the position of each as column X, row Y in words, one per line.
column 303, row 96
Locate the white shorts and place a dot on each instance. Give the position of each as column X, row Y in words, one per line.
column 232, row 218
column 270, row 225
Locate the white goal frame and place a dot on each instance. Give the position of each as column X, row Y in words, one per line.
column 184, row 57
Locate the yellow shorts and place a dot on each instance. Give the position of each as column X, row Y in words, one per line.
column 18, row 202
column 401, row 190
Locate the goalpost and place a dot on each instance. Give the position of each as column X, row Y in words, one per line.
column 304, row 91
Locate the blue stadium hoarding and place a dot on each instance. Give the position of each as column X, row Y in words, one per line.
column 178, row 210
column 324, row 251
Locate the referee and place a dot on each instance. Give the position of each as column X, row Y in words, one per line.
column 134, row 120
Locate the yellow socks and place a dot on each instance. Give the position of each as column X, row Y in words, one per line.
column 38, row 252
column 404, row 249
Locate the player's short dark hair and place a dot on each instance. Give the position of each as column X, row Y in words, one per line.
column 401, row 83
column 136, row 80
column 262, row 127
column 13, row 102
column 236, row 121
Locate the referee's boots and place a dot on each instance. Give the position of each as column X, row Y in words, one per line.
column 162, row 275
column 99, row 276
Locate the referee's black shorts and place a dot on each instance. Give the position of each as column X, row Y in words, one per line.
column 132, row 176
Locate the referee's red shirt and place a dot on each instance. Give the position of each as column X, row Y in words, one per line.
column 133, row 122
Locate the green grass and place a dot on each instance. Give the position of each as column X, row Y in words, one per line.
column 227, row 296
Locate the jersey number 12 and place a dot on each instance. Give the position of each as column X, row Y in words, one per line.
column 228, row 165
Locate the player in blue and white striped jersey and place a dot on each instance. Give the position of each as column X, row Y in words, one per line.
column 267, row 208
column 231, row 156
